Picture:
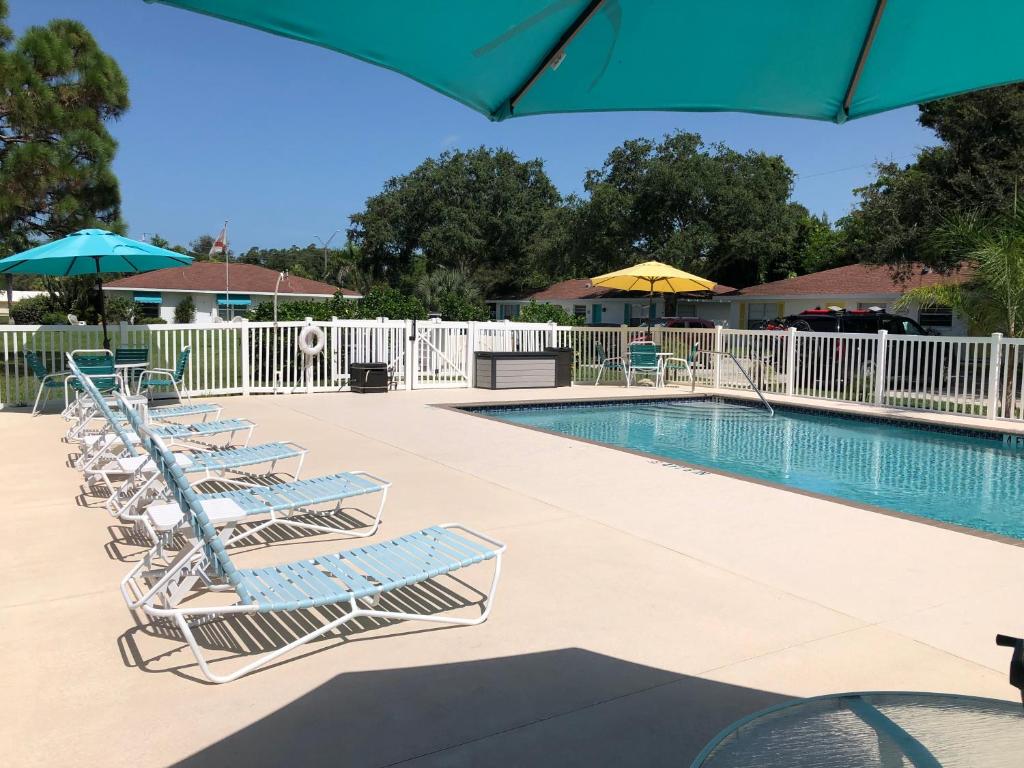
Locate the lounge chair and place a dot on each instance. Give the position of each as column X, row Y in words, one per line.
column 167, row 377
column 98, row 366
column 47, row 380
column 644, row 359
column 355, row 579
column 280, row 502
column 130, row 475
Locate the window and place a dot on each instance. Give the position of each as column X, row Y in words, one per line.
column 147, row 303
column 232, row 305
column 757, row 313
column 579, row 310
column 936, row 317
column 903, row 326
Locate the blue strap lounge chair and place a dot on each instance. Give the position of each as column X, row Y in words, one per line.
column 126, row 500
column 603, row 363
column 289, row 503
column 353, row 581
column 47, row 380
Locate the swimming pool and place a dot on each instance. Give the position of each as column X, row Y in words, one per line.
column 965, row 478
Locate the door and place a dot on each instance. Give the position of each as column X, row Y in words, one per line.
column 595, row 314
column 441, row 355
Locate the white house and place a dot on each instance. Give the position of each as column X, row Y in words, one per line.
column 857, row 286
column 218, row 294
column 604, row 306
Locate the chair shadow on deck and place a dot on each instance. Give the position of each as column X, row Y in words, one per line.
column 566, row 707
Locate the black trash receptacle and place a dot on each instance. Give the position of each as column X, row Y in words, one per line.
column 563, row 365
column 368, row 377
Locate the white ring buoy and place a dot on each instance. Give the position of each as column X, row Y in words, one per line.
column 314, row 347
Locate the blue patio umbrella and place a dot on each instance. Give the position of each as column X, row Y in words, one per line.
column 92, row 252
column 800, row 58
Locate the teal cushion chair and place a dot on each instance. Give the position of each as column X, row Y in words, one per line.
column 47, row 380
column 166, row 377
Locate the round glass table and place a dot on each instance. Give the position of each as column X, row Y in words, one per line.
column 876, row 730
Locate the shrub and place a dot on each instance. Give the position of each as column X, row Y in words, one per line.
column 54, row 318
column 547, row 313
column 118, row 308
column 30, row 311
column 150, row 321
column 185, row 312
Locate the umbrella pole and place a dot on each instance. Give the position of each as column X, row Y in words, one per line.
column 103, row 311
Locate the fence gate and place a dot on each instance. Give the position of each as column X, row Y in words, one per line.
column 440, row 355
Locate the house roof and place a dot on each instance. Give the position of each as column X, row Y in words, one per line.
column 854, row 279
column 209, row 276
column 581, row 288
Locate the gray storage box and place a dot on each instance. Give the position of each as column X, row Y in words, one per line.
column 515, row 370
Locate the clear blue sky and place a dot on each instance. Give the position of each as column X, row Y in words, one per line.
column 287, row 140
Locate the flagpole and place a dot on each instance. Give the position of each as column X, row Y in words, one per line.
column 227, row 274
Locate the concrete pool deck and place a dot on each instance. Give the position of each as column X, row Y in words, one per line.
column 642, row 607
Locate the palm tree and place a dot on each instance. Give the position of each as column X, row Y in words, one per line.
column 446, row 282
column 992, row 300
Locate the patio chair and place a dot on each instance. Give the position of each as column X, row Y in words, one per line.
column 354, row 579
column 73, row 320
column 603, row 362
column 644, row 359
column 166, row 377
column 47, row 380
column 131, row 356
column 686, row 364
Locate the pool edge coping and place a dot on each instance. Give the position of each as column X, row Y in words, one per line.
column 473, row 409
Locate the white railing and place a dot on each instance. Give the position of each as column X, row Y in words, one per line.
column 977, row 376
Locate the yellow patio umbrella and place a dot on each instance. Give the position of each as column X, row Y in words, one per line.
column 653, row 277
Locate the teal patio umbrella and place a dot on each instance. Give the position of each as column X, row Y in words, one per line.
column 92, row 252
column 799, row 58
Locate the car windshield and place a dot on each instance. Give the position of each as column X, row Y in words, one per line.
column 903, row 326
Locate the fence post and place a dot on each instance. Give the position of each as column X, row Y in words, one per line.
column 790, row 361
column 410, row 351
column 717, row 380
column 244, row 354
column 307, row 364
column 994, row 368
column 552, row 333
column 122, row 334
column 471, row 340
column 881, row 351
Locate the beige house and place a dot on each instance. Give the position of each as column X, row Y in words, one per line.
column 857, row 286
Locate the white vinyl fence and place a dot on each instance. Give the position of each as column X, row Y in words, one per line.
column 979, row 376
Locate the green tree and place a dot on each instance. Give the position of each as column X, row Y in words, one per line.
column 159, row 242
column 709, row 209
column 57, row 91
column 975, row 168
column 452, row 293
column 547, row 313
column 477, row 210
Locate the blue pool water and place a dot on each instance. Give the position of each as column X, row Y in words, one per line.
column 968, row 480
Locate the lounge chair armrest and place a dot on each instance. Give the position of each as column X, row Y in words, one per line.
column 501, row 546
column 371, row 476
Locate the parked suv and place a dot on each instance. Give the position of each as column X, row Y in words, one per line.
column 849, row 321
column 853, row 358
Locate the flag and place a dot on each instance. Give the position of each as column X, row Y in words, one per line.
column 220, row 245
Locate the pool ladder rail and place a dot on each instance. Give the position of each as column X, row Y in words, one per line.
column 753, row 386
